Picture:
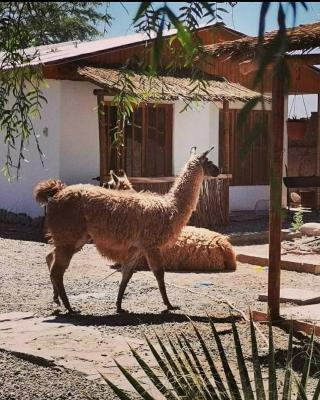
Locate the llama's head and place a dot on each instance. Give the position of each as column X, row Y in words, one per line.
column 209, row 169
column 119, row 181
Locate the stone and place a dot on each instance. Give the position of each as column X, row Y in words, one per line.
column 293, row 295
column 311, row 229
column 304, row 313
column 15, row 316
column 57, row 342
column 259, row 255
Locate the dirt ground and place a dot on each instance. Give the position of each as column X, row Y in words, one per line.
column 25, row 286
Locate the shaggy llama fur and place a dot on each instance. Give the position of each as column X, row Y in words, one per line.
column 122, row 225
column 196, row 249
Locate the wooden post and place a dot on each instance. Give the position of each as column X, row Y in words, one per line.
column 318, row 152
column 103, row 146
column 276, row 168
column 226, row 138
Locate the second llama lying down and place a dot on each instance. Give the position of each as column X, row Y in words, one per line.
column 196, row 249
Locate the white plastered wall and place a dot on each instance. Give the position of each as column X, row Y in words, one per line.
column 71, row 146
column 196, row 126
column 16, row 196
column 79, row 144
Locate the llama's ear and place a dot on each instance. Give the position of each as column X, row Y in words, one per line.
column 116, row 178
column 193, row 151
column 204, row 155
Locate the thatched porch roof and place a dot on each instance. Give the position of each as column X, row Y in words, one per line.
column 170, row 88
column 303, row 37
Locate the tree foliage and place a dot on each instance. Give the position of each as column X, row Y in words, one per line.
column 26, row 24
column 38, row 23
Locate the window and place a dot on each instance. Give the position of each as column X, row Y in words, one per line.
column 148, row 141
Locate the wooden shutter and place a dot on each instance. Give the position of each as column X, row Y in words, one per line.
column 148, row 141
column 253, row 169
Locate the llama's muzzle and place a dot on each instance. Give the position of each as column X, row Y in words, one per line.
column 211, row 169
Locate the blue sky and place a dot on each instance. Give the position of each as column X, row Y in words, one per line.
column 244, row 17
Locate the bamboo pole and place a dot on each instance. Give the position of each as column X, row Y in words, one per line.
column 276, row 171
column 226, row 138
column 318, row 152
column 103, row 147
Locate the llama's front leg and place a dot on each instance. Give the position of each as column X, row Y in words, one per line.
column 62, row 257
column 127, row 272
column 49, row 260
column 155, row 263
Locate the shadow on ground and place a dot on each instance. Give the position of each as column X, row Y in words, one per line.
column 133, row 319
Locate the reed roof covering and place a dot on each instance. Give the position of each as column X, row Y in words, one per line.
column 303, row 37
column 169, row 88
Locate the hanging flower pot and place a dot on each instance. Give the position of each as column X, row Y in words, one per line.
column 297, row 128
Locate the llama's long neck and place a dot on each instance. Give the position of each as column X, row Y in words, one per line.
column 186, row 190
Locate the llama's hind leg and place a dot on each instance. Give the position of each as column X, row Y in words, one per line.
column 61, row 259
column 155, row 263
column 49, row 260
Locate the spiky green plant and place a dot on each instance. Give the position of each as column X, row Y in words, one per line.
column 185, row 375
column 297, row 220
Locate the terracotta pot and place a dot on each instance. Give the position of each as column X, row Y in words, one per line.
column 297, row 129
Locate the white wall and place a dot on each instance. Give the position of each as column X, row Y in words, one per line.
column 79, row 144
column 16, row 196
column 197, row 126
column 248, row 198
column 71, row 147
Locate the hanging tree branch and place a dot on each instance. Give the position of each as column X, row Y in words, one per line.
column 21, row 85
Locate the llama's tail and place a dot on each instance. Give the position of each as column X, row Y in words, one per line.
column 46, row 189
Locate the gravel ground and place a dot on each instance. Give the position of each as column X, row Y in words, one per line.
column 22, row 380
column 25, row 286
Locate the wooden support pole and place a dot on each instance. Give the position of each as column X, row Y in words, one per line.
column 318, row 152
column 226, row 138
column 103, row 146
column 276, row 168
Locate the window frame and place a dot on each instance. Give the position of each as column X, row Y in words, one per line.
column 120, row 162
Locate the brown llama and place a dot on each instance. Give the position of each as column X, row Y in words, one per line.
column 196, row 249
column 122, row 225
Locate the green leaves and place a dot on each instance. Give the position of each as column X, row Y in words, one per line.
column 185, row 46
column 274, row 52
column 260, row 393
column 272, row 381
column 16, row 117
column 26, row 24
column 191, row 374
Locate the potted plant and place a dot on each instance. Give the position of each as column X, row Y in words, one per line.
column 297, row 128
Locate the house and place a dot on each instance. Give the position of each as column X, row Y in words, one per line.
column 77, row 139
column 301, row 154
